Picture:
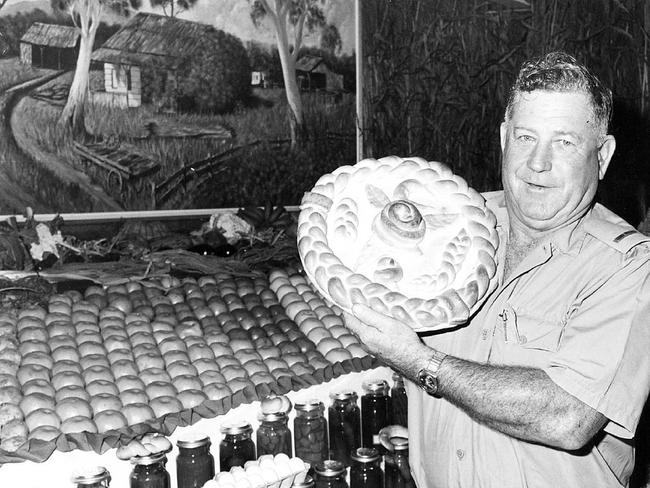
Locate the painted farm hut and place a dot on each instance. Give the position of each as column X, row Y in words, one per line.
column 50, row 46
column 313, row 74
column 140, row 60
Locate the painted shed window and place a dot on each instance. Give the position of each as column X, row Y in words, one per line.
column 121, row 77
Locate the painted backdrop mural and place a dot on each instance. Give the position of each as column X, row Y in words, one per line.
column 114, row 105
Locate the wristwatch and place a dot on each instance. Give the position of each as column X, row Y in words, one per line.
column 428, row 376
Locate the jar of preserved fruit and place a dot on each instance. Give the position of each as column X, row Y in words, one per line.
column 194, row 463
column 273, row 434
column 375, row 412
column 307, row 482
column 310, row 432
column 95, row 477
column 399, row 401
column 396, row 464
column 329, row 474
column 149, row 471
column 344, row 421
column 365, row 471
column 236, row 447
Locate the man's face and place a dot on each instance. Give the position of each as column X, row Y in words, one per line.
column 552, row 159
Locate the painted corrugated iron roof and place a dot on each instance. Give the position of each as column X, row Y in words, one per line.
column 147, row 35
column 308, row 63
column 54, row 35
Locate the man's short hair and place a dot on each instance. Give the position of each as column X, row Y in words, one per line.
column 559, row 71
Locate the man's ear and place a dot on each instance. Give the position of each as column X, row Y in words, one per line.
column 605, row 153
column 503, row 132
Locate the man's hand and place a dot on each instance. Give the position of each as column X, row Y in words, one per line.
column 394, row 342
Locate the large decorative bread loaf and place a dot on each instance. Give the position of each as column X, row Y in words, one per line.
column 405, row 236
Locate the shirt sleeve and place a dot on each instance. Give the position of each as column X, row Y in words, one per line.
column 604, row 354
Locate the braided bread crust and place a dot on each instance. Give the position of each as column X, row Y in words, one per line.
column 403, row 235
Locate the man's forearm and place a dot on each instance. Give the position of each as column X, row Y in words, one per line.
column 520, row 402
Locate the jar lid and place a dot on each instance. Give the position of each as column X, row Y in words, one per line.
column 190, row 440
column 91, row 475
column 236, row 427
column 152, row 459
column 308, row 482
column 329, row 468
column 376, row 387
column 343, row 395
column 309, row 405
column 399, row 443
column 272, row 417
column 365, row 455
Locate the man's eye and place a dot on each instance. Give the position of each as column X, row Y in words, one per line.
column 525, row 138
column 566, row 143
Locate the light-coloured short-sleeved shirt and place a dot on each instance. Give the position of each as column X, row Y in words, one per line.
column 577, row 308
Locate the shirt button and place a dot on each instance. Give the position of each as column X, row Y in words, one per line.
column 523, row 339
column 461, row 454
column 484, row 334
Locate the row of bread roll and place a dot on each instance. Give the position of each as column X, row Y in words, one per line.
column 314, row 317
column 269, row 470
column 13, row 430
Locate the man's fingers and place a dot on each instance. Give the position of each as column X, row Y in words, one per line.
column 371, row 317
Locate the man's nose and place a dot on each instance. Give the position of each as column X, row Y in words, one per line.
column 541, row 158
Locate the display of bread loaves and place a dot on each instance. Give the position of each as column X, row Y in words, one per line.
column 403, row 235
column 94, row 369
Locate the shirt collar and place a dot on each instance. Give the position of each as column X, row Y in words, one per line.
column 568, row 239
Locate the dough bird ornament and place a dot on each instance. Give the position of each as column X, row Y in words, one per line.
column 403, row 235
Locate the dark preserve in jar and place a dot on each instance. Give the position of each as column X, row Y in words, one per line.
column 236, row 447
column 399, row 401
column 149, row 472
column 273, row 434
column 344, row 421
column 365, row 471
column 396, row 464
column 194, row 463
column 330, row 474
column 310, row 432
column 375, row 412
column 95, row 477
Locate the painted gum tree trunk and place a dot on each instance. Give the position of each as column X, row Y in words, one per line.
column 87, row 19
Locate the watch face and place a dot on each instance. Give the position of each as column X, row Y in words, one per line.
column 428, row 382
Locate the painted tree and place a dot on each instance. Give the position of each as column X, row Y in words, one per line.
column 292, row 18
column 172, row 8
column 330, row 40
column 86, row 15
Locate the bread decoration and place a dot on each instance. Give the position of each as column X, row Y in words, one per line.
column 403, row 235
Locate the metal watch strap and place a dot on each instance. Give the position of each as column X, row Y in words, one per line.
column 428, row 376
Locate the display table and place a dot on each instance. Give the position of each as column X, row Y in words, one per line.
column 57, row 471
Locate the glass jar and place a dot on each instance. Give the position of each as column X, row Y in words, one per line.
column 310, row 432
column 308, row 482
column 95, row 477
column 365, row 471
column 396, row 464
column 375, row 412
column 236, row 447
column 273, row 434
column 399, row 401
column 329, row 474
column 344, row 420
column 194, row 463
column 149, row 471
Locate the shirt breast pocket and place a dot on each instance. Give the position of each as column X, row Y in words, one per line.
column 534, row 332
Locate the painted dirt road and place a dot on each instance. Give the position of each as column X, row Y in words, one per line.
column 21, row 150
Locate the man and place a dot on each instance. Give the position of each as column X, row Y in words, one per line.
column 545, row 384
